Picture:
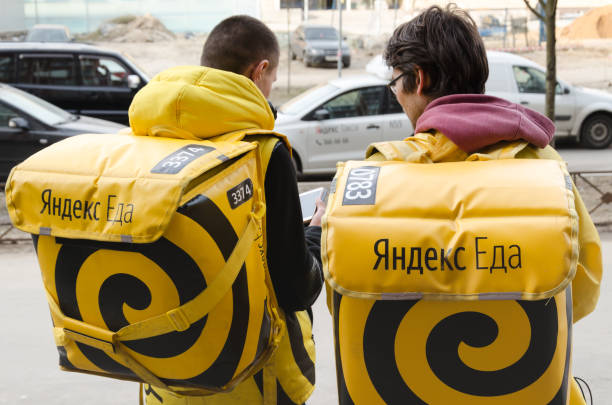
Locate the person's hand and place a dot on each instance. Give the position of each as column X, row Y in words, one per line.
column 316, row 218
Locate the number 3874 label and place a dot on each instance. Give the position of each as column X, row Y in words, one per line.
column 361, row 185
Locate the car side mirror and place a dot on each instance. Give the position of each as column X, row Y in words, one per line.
column 133, row 81
column 561, row 89
column 321, row 114
column 19, row 123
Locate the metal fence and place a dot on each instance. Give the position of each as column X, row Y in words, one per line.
column 596, row 190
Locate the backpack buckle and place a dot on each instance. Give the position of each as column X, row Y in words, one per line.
column 178, row 320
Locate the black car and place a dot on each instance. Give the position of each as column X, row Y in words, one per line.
column 28, row 124
column 317, row 45
column 78, row 78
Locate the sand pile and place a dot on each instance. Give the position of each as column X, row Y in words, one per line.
column 133, row 29
column 597, row 23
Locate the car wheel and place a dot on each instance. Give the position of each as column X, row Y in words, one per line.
column 596, row 131
column 307, row 63
column 293, row 56
column 346, row 64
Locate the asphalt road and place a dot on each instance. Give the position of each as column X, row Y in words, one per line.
column 579, row 159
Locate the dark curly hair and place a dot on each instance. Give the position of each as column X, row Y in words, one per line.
column 446, row 45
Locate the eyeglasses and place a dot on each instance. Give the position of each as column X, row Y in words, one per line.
column 392, row 84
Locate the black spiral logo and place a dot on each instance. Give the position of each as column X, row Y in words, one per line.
column 441, row 345
column 125, row 289
column 122, row 289
column 479, row 330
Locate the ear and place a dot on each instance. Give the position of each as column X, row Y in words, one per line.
column 420, row 81
column 258, row 70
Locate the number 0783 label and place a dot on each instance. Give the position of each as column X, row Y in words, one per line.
column 361, row 185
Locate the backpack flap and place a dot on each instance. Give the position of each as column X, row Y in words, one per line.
column 100, row 186
column 504, row 229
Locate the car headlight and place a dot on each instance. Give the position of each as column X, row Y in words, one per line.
column 314, row 51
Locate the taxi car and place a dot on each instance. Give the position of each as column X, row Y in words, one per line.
column 336, row 121
column 580, row 113
column 29, row 124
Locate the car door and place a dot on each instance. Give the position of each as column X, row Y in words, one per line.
column 17, row 144
column 354, row 120
column 52, row 77
column 105, row 89
column 397, row 125
column 531, row 85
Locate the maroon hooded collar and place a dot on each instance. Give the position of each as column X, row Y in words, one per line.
column 473, row 121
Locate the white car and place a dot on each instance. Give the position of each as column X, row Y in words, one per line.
column 582, row 113
column 337, row 121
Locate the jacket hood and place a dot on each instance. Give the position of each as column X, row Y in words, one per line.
column 474, row 121
column 195, row 102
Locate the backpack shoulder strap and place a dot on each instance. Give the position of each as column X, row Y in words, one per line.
column 266, row 147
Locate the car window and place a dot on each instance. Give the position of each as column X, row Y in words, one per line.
column 308, row 99
column 127, row 59
column 103, row 71
column 51, row 70
column 529, row 80
column 321, row 33
column 356, row 103
column 7, row 68
column 393, row 107
column 5, row 115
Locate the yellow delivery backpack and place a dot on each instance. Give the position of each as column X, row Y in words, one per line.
column 152, row 256
column 451, row 281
